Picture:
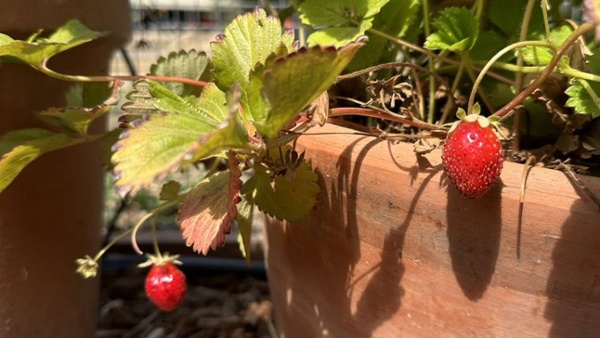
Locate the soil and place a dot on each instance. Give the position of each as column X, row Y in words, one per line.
column 218, row 304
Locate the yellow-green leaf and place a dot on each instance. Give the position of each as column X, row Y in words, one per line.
column 295, row 81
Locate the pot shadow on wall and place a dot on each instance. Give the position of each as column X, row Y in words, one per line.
column 474, row 239
column 330, row 258
column 573, row 286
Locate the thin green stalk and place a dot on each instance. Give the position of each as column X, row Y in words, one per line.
column 423, row 51
column 155, row 239
column 481, row 93
column 478, row 10
column 581, row 30
column 493, row 60
column 430, row 65
column 545, row 6
column 523, row 37
column 459, row 74
column 101, row 253
column 109, row 78
column 564, row 70
column 143, row 220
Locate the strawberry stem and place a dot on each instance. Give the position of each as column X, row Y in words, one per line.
column 143, row 220
column 109, row 78
column 502, row 112
column 110, row 244
column 155, row 239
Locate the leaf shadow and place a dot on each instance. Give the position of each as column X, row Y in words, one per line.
column 474, row 242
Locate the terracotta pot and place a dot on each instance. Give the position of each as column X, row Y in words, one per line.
column 52, row 213
column 393, row 251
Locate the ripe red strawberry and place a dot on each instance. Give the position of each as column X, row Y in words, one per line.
column 165, row 284
column 472, row 156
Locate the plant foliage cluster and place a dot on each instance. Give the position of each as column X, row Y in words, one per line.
column 409, row 63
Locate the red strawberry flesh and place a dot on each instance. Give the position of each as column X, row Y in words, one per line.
column 472, row 158
column 166, row 286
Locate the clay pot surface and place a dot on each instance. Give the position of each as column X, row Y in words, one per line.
column 52, row 213
column 393, row 251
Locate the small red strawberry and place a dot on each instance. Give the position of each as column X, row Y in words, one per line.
column 472, row 155
column 165, row 284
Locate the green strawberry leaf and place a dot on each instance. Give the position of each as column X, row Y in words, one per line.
column 5, row 39
column 150, row 97
column 540, row 56
column 395, row 18
column 584, row 96
column 20, row 147
column 295, row 81
column 487, row 45
column 507, row 15
column 289, row 196
column 189, row 65
column 74, row 121
column 457, row 30
column 246, row 42
column 37, row 52
column 90, row 94
column 161, row 143
column 245, row 214
column 343, row 21
column 170, row 191
column 209, row 208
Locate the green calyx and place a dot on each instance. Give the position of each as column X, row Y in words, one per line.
column 474, row 116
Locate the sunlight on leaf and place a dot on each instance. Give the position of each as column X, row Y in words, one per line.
column 395, row 19
column 189, row 65
column 540, row 56
column 72, row 34
column 584, row 96
column 162, row 143
column 343, row 21
column 246, row 42
column 19, row 148
column 209, row 208
column 295, row 81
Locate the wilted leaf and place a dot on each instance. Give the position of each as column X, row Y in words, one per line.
column 139, row 101
column 318, row 111
column 209, row 208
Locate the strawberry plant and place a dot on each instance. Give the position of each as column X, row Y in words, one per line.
column 391, row 69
